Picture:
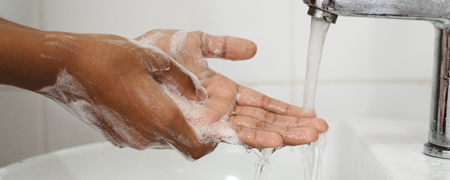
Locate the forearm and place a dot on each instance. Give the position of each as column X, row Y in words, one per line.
column 22, row 59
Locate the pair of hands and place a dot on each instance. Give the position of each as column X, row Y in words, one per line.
column 158, row 91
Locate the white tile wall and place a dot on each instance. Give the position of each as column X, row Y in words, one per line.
column 399, row 100
column 265, row 22
column 370, row 67
column 21, row 124
column 24, row 12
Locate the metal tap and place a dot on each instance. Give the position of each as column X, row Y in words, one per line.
column 435, row 11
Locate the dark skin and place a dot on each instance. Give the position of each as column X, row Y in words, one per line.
column 119, row 82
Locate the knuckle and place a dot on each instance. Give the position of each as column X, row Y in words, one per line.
column 269, row 117
column 238, row 110
column 265, row 101
column 260, row 125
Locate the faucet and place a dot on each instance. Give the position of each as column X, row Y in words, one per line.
column 435, row 11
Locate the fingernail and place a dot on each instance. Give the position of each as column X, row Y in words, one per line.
column 200, row 94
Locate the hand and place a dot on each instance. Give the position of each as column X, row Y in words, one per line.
column 258, row 120
column 111, row 83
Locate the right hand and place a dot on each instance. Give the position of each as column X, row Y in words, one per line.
column 111, row 83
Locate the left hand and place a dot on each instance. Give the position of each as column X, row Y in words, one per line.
column 258, row 120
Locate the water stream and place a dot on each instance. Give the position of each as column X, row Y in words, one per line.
column 310, row 155
column 319, row 29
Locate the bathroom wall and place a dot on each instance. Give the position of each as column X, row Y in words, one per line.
column 370, row 67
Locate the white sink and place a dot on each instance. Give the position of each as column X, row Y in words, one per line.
column 356, row 149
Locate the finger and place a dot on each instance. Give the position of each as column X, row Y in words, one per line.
column 168, row 72
column 250, row 97
column 258, row 139
column 227, row 47
column 280, row 120
column 291, row 135
column 230, row 133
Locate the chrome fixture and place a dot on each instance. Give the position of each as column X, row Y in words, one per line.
column 435, row 11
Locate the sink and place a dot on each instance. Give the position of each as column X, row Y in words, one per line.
column 356, row 149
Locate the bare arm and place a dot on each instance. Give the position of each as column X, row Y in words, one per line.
column 21, row 63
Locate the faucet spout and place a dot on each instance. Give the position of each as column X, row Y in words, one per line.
column 432, row 10
column 326, row 16
column 435, row 11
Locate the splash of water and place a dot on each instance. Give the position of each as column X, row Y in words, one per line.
column 262, row 165
column 311, row 159
column 310, row 155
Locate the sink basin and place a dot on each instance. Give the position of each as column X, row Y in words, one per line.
column 356, row 149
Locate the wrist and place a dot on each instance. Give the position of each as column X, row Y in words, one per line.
column 52, row 54
column 32, row 58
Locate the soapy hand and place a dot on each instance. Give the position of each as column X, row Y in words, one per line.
column 112, row 84
column 258, row 120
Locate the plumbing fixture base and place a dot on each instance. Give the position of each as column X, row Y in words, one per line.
column 436, row 151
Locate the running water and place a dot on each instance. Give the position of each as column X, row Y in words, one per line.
column 263, row 165
column 319, row 29
column 310, row 155
column 311, row 159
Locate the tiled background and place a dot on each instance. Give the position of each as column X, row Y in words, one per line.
column 370, row 67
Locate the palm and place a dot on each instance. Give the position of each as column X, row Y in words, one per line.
column 259, row 121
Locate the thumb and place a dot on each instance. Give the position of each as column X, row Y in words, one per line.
column 182, row 81
column 167, row 71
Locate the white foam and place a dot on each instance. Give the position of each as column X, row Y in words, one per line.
column 71, row 95
column 44, row 56
column 120, row 43
column 195, row 112
column 177, row 42
column 155, row 50
column 159, row 61
column 61, row 41
column 218, row 46
column 238, row 95
column 151, row 39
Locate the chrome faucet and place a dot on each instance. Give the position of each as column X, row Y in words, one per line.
column 435, row 11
